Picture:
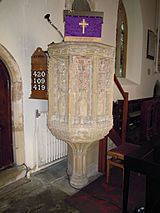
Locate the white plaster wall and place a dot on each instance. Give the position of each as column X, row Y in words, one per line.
column 23, row 29
column 109, row 7
column 148, row 74
column 38, row 32
column 141, row 76
column 135, row 38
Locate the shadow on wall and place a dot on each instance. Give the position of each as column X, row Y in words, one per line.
column 156, row 92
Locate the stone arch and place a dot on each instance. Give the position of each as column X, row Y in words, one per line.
column 81, row 5
column 69, row 3
column 16, row 106
column 135, row 40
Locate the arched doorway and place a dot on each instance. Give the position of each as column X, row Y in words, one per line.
column 6, row 151
column 16, row 103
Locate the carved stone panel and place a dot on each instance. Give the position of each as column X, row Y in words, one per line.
column 59, row 89
column 81, row 88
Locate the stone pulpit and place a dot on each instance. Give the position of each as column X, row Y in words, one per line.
column 80, row 87
column 80, row 94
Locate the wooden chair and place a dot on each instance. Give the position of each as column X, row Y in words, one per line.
column 115, row 156
column 149, row 127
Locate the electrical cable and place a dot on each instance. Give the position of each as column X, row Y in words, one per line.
column 48, row 19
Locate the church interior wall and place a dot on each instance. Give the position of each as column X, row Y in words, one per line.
column 148, row 74
column 140, row 74
column 23, row 29
column 135, row 38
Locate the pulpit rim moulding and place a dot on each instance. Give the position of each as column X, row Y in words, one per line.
column 86, row 44
column 64, row 48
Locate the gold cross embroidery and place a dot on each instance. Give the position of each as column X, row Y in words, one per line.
column 83, row 24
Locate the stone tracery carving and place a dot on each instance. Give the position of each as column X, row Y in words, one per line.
column 104, row 84
column 82, row 75
column 60, row 82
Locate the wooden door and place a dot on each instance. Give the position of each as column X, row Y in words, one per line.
column 6, row 152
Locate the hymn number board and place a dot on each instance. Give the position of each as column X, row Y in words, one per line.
column 39, row 74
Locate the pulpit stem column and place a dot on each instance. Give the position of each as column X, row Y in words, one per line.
column 79, row 174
